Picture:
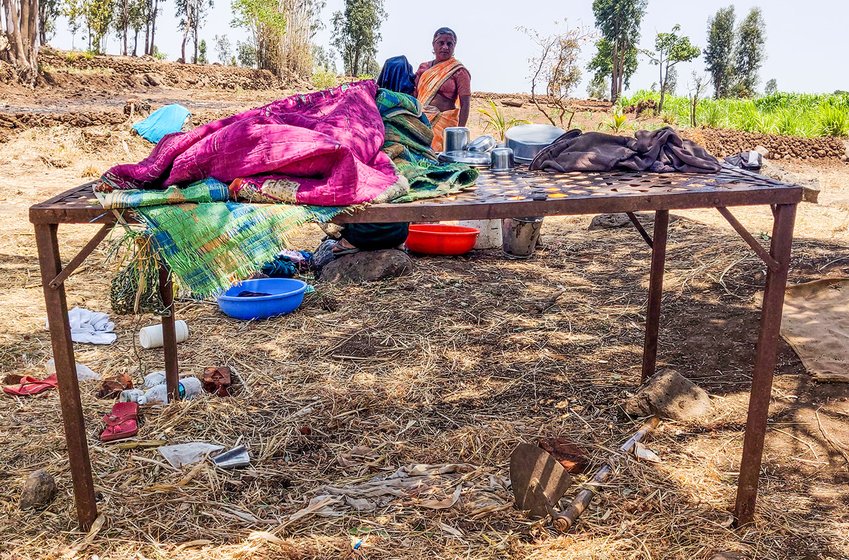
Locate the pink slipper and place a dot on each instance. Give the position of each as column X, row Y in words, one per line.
column 31, row 386
column 122, row 422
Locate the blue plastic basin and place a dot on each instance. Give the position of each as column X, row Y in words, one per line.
column 287, row 294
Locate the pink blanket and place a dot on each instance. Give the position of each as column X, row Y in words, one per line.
column 326, row 146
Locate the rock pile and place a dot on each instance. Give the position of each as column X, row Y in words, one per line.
column 10, row 121
column 725, row 142
column 141, row 72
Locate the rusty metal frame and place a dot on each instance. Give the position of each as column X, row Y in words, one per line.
column 640, row 229
column 573, row 194
column 749, row 238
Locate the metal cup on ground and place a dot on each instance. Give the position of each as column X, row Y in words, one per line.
column 519, row 236
column 455, row 138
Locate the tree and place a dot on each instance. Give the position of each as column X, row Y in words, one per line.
column 322, row 60
column 719, row 51
column 597, row 87
column 202, row 59
column 246, row 53
column 265, row 24
column 302, row 22
column 72, row 10
column 619, row 23
column 151, row 11
column 19, row 29
column 223, row 49
column 771, row 87
column 356, row 33
column 191, row 14
column 696, row 88
column 48, row 11
column 602, row 66
column 122, row 22
column 669, row 50
column 556, row 69
column 98, row 15
column 749, row 53
column 138, row 20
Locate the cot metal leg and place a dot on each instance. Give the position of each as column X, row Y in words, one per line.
column 66, row 371
column 169, row 335
column 658, row 259
column 773, row 303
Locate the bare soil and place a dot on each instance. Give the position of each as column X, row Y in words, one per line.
column 455, row 364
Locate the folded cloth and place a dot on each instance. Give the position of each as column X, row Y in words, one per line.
column 323, row 149
column 660, row 151
column 407, row 141
column 91, row 327
column 205, row 190
column 165, row 120
column 746, row 160
column 397, row 75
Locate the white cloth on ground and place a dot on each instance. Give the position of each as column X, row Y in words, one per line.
column 92, row 327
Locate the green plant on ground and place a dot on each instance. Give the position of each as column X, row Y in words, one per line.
column 834, row 121
column 324, row 79
column 789, row 114
column 788, row 123
column 669, row 118
column 617, row 121
column 494, row 118
column 713, row 115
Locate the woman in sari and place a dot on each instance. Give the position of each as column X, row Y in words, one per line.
column 444, row 87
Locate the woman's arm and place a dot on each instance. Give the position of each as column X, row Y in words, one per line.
column 464, row 92
column 465, row 104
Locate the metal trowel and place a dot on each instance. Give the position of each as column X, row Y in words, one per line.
column 538, row 480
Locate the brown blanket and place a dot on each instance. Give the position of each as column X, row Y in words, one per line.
column 661, row 151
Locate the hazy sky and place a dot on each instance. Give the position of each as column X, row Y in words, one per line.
column 806, row 41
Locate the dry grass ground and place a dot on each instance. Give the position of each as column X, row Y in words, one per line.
column 455, row 364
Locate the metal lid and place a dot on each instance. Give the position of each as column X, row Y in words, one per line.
column 475, row 159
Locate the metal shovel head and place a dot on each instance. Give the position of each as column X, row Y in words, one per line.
column 538, row 480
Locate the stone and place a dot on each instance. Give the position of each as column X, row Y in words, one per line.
column 614, row 221
column 367, row 266
column 669, row 394
column 38, row 491
column 136, row 107
column 764, row 152
column 154, row 80
column 512, row 102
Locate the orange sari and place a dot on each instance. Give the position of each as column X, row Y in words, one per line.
column 429, row 83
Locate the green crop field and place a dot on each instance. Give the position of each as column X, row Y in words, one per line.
column 789, row 114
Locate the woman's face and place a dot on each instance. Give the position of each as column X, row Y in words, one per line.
column 443, row 46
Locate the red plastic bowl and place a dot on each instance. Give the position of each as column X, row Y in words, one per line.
column 441, row 239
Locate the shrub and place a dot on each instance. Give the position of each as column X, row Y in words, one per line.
column 324, row 79
column 834, row 121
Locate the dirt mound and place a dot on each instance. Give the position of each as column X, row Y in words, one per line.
column 724, row 142
column 60, row 69
column 520, row 99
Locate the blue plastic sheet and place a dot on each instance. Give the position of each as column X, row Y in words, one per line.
column 164, row 120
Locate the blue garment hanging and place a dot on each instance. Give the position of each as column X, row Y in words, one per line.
column 397, row 75
column 164, row 120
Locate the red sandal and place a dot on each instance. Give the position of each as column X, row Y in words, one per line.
column 31, row 386
column 122, row 422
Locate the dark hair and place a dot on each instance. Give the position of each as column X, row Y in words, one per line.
column 445, row 31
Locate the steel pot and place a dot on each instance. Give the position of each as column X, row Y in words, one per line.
column 528, row 140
